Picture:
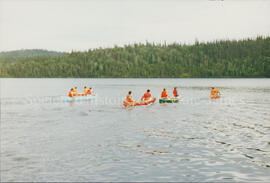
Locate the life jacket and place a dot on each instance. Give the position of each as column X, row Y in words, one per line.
column 74, row 93
column 75, row 90
column 129, row 98
column 146, row 96
column 213, row 92
column 85, row 91
column 89, row 92
column 175, row 93
column 70, row 93
column 217, row 90
column 164, row 94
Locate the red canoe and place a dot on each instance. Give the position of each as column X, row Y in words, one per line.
column 215, row 97
column 126, row 104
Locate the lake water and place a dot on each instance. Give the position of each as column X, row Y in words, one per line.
column 198, row 139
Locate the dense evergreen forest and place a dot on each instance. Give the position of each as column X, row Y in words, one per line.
column 226, row 58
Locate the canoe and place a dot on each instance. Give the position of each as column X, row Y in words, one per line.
column 168, row 100
column 215, row 97
column 128, row 104
column 78, row 98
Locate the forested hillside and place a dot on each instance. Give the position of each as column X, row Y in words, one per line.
column 228, row 58
column 28, row 53
column 10, row 57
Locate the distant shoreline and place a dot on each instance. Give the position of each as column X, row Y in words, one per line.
column 140, row 78
column 248, row 58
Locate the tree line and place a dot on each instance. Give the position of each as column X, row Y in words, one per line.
column 224, row 58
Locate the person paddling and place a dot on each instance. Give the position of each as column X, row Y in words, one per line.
column 71, row 92
column 175, row 92
column 146, row 96
column 89, row 91
column 217, row 91
column 85, row 90
column 75, row 91
column 164, row 94
column 129, row 98
column 212, row 92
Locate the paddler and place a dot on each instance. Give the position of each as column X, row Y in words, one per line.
column 212, row 92
column 129, row 98
column 146, row 96
column 217, row 91
column 75, row 91
column 70, row 93
column 89, row 91
column 175, row 92
column 164, row 94
column 85, row 90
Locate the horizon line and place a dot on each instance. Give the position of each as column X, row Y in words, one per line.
column 196, row 40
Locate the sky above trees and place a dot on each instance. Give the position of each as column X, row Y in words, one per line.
column 83, row 24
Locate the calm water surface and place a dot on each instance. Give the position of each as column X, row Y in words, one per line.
column 44, row 139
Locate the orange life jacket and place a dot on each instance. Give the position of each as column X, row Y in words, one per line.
column 213, row 92
column 74, row 94
column 70, row 93
column 89, row 92
column 175, row 93
column 164, row 94
column 129, row 98
column 146, row 96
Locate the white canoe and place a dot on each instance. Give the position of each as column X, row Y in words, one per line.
column 78, row 98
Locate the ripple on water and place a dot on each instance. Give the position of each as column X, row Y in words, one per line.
column 196, row 140
column 20, row 159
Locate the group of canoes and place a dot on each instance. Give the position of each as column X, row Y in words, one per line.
column 147, row 98
column 73, row 92
column 165, row 98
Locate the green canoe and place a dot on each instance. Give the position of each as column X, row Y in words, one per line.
column 172, row 100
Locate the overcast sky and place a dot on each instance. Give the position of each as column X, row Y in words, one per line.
column 82, row 24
